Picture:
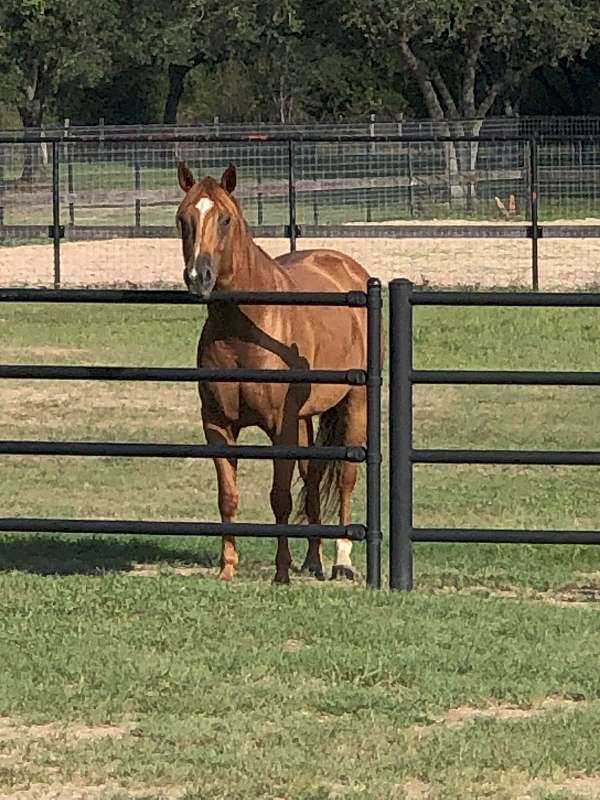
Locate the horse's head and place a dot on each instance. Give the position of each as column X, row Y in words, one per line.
column 209, row 222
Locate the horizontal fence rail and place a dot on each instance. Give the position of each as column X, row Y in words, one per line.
column 352, row 377
column 158, row 450
column 370, row 378
column 565, row 458
column 403, row 455
column 178, row 528
column 355, row 299
column 504, row 377
column 502, row 536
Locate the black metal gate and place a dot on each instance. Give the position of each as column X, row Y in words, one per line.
column 371, row 454
column 402, row 454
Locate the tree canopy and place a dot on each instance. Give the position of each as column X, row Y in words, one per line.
column 466, row 55
column 295, row 60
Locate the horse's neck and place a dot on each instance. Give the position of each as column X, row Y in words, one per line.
column 254, row 270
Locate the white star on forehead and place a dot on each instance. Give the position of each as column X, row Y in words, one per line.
column 204, row 205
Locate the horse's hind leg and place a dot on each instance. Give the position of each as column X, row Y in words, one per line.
column 229, row 495
column 355, row 433
column 313, row 563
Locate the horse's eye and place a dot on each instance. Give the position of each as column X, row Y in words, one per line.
column 225, row 219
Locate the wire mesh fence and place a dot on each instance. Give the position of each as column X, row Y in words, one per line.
column 369, row 125
column 442, row 211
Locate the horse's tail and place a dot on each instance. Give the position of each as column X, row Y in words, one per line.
column 331, row 433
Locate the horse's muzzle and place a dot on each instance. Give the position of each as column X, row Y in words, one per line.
column 200, row 280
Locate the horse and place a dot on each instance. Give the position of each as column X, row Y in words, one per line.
column 220, row 254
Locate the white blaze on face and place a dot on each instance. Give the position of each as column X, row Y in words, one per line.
column 203, row 205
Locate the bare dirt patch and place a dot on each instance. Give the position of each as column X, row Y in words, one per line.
column 72, row 791
column 459, row 717
column 143, row 570
column 579, row 596
column 13, row 731
column 413, row 789
column 583, row 786
column 441, row 262
column 293, row 645
column 584, row 595
column 144, row 407
column 44, row 352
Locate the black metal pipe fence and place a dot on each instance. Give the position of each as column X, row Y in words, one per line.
column 371, row 454
column 403, row 456
column 300, row 176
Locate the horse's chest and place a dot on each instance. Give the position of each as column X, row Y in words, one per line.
column 247, row 403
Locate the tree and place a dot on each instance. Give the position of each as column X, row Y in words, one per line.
column 181, row 35
column 46, row 42
column 466, row 54
column 42, row 44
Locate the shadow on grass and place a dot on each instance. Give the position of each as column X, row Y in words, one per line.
column 58, row 555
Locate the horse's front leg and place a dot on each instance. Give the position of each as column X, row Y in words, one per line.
column 229, row 496
column 310, row 472
column 281, row 503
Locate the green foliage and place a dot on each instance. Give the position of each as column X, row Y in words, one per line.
column 44, row 43
column 287, row 60
column 466, row 53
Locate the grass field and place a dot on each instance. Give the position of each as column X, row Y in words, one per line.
column 128, row 671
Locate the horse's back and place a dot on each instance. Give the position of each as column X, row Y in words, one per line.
column 328, row 270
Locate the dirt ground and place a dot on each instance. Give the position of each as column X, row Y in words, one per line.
column 564, row 263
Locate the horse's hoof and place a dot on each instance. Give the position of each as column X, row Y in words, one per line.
column 227, row 573
column 313, row 570
column 281, row 579
column 342, row 572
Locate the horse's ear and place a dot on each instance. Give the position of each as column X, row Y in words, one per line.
column 228, row 179
column 185, row 176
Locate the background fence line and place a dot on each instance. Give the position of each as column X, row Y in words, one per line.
column 79, row 187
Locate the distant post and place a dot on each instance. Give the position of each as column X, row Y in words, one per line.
column 70, row 178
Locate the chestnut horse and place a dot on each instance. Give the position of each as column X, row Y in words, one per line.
column 219, row 253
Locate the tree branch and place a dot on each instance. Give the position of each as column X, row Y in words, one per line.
column 444, row 93
column 502, row 84
column 473, row 50
column 425, row 84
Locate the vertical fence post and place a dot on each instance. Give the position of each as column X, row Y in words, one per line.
column 138, row 186
column 534, row 211
column 70, row 180
column 374, row 433
column 448, row 174
column 101, row 136
column 315, row 173
column 3, row 152
column 56, row 211
column 411, row 191
column 260, row 214
column 292, row 195
column 400, row 443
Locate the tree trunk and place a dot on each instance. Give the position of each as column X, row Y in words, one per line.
column 177, row 75
column 35, row 156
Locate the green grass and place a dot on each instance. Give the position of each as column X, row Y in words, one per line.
column 320, row 690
